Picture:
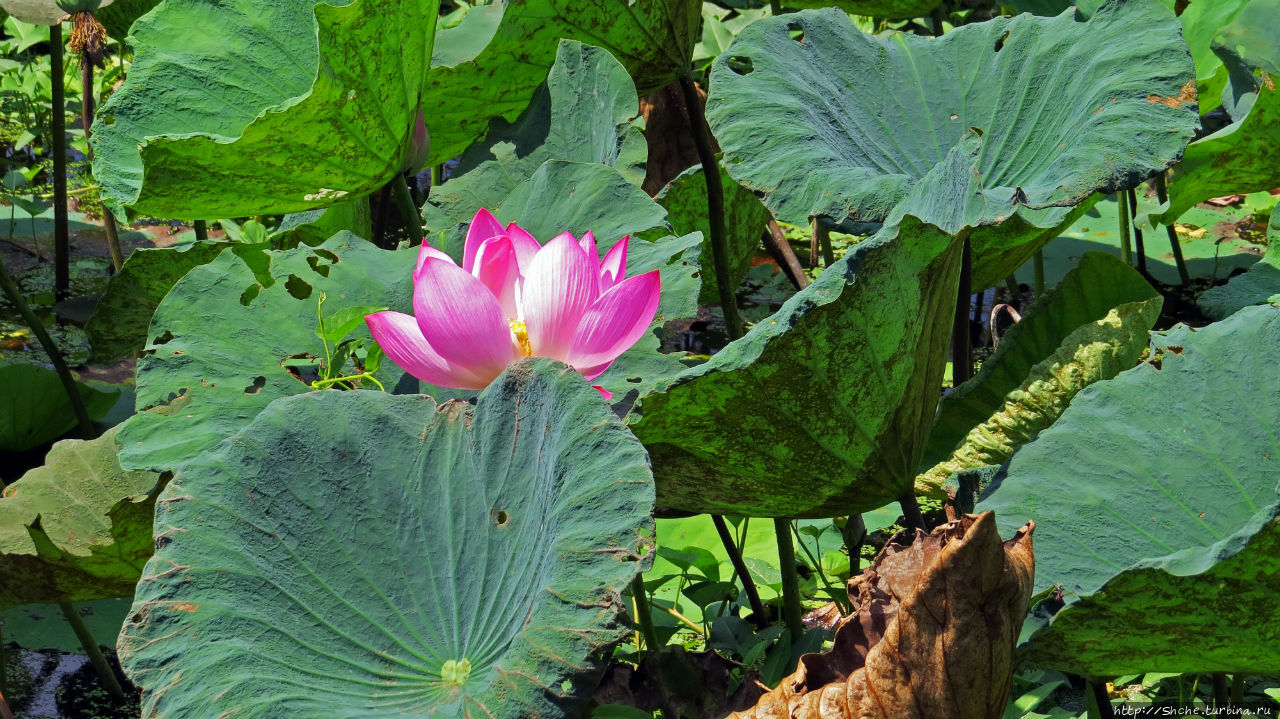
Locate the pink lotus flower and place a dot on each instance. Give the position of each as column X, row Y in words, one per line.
column 514, row 298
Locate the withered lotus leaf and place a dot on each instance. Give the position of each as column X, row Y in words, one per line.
column 931, row 635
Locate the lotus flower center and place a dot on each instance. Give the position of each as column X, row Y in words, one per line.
column 522, row 336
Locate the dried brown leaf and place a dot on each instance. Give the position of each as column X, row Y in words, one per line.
column 931, row 636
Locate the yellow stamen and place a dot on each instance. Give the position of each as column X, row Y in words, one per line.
column 522, row 336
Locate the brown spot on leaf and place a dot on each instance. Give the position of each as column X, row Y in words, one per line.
column 186, row 607
column 1186, row 96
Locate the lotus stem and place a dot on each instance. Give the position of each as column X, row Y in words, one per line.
column 201, row 228
column 938, row 18
column 643, row 619
column 1220, row 691
column 740, row 571
column 100, row 665
column 46, row 342
column 683, row 620
column 911, row 510
column 1162, row 195
column 1138, row 248
column 775, row 7
column 1037, row 264
column 86, row 118
column 437, row 176
column 1122, row 210
column 1015, row 292
column 780, row 250
column 1101, row 703
column 841, row 602
column 715, row 207
column 822, row 236
column 61, row 234
column 409, row 214
column 1237, row 689
column 961, row 351
column 790, row 578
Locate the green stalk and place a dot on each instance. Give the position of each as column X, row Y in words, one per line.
column 776, row 244
column 409, row 214
column 1138, row 247
column 1220, row 692
column 1237, row 689
column 824, row 243
column 86, row 118
column 911, row 510
column 961, row 351
column 1162, row 195
column 775, row 7
column 202, row 230
column 790, row 578
column 643, row 618
column 1011, row 284
column 1099, row 702
column 715, row 207
column 840, row 601
column 740, row 571
column 1122, row 209
column 99, row 662
column 437, row 176
column 59, row 365
column 61, row 234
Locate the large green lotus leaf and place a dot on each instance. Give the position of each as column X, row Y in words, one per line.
column 295, row 104
column 359, row 554
column 76, row 528
column 1243, row 156
column 685, row 199
column 120, row 15
column 653, row 40
column 35, row 407
column 313, row 227
column 1261, row 283
column 821, row 119
column 874, row 8
column 575, row 197
column 823, row 408
column 118, row 326
column 586, row 111
column 1097, row 285
column 219, row 336
column 1156, row 503
column 1095, row 351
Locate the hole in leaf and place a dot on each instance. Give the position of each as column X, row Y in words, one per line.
column 796, row 31
column 332, row 258
column 258, row 383
column 1000, row 42
column 634, row 380
column 740, row 64
column 303, row 367
column 501, row 517
column 297, row 287
column 163, row 338
column 250, row 294
column 319, row 269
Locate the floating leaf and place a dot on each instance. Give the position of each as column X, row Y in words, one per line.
column 685, row 199
column 821, row 119
column 411, row 558
column 298, row 104
column 76, row 528
column 1261, row 283
column 1090, row 327
column 653, row 40
column 834, row 392
column 932, row 634
column 1243, row 156
column 1156, row 501
column 36, row 408
column 218, row 339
